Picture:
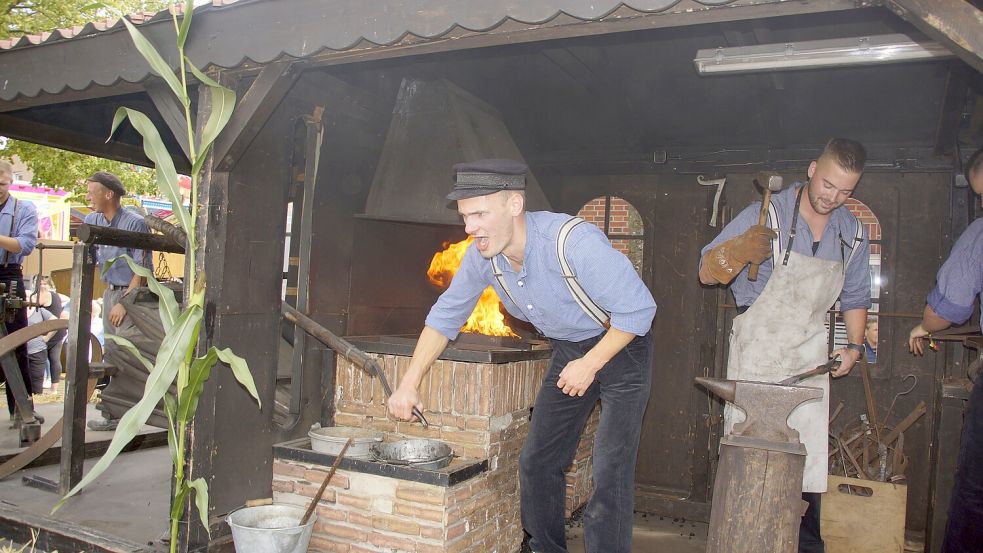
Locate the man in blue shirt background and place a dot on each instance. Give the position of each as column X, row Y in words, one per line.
column 589, row 362
column 18, row 236
column 104, row 192
column 958, row 288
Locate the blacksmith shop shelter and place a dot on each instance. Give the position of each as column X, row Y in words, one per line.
column 326, row 187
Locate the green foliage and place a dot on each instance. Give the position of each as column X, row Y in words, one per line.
column 68, row 170
column 22, row 17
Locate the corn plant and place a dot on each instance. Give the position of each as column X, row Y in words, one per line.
column 175, row 361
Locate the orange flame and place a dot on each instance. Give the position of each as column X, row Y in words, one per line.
column 487, row 317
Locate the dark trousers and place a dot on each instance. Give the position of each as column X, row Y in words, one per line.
column 964, row 532
column 810, row 540
column 54, row 357
column 37, row 363
column 558, row 420
column 7, row 275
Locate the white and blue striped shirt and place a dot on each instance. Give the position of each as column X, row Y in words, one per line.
column 541, row 295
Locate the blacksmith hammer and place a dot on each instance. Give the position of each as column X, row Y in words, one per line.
column 770, row 182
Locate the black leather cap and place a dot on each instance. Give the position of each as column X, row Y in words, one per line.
column 487, row 176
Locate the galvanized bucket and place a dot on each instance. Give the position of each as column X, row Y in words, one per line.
column 270, row 529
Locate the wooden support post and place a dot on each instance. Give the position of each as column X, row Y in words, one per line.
column 313, row 149
column 73, row 435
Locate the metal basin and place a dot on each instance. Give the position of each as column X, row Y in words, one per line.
column 419, row 453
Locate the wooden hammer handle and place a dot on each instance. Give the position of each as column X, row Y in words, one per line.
column 752, row 273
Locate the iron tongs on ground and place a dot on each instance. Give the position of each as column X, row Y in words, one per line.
column 826, row 367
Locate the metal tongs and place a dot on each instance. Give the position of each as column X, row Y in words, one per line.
column 826, row 367
column 358, row 357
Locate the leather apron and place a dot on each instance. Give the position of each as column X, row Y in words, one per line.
column 782, row 334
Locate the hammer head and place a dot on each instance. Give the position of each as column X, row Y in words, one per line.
column 769, row 180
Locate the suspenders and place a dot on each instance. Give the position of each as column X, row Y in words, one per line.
column 776, row 244
column 591, row 309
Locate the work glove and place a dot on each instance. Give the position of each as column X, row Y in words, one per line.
column 726, row 260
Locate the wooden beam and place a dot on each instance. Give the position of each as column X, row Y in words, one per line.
column 77, row 369
column 951, row 111
column 954, row 23
column 256, row 106
column 67, row 95
column 595, row 79
column 93, row 234
column 57, row 137
column 342, row 99
column 171, row 111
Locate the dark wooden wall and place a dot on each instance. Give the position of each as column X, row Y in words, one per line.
column 241, row 231
column 674, row 456
column 681, row 428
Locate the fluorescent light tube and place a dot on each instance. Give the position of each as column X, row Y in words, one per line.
column 813, row 54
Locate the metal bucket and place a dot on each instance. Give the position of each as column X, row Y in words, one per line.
column 270, row 529
column 418, row 453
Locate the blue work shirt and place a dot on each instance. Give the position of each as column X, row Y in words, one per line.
column 119, row 274
column 836, row 244
column 23, row 227
column 960, row 280
column 543, row 298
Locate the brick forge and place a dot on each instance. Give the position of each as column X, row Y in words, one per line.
column 481, row 409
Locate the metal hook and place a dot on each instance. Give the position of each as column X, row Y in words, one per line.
column 899, row 394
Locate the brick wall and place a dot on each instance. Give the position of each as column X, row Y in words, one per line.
column 481, row 411
column 869, row 220
column 624, row 220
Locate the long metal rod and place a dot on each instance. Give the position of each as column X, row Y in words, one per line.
column 358, row 357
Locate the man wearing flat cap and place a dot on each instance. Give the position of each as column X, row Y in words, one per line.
column 104, row 192
column 564, row 277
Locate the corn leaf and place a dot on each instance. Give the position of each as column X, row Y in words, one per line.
column 182, row 34
column 201, row 369
column 222, row 101
column 201, row 501
column 153, row 146
column 168, row 306
column 180, row 494
column 240, row 370
column 172, row 353
column 170, row 407
column 157, row 63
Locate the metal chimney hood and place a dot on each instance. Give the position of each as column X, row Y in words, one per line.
column 435, row 124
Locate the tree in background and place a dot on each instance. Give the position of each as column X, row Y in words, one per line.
column 68, row 170
column 26, row 17
column 61, row 168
